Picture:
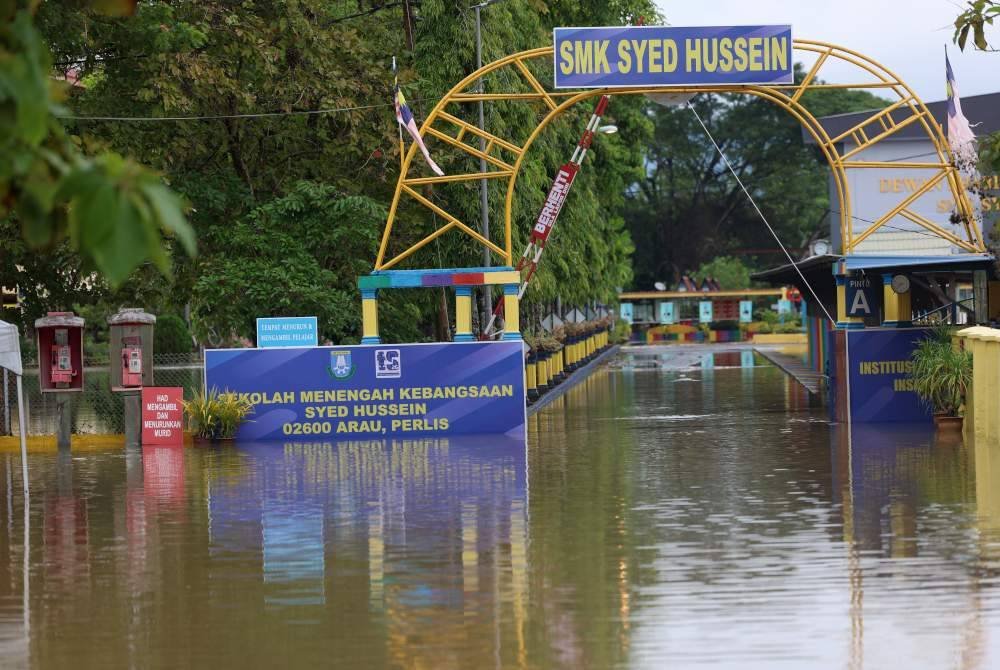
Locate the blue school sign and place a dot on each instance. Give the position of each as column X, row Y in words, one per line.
column 879, row 367
column 660, row 56
column 370, row 391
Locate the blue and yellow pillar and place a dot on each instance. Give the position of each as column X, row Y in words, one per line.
column 463, row 314
column 896, row 310
column 511, row 313
column 844, row 321
column 369, row 316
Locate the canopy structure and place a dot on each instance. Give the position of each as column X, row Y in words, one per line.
column 10, row 348
column 10, row 359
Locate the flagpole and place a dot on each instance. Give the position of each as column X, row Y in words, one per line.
column 395, row 101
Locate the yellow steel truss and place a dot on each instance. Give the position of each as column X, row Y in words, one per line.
column 505, row 156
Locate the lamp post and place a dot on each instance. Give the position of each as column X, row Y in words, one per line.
column 484, row 207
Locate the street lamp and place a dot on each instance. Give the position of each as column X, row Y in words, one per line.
column 484, row 207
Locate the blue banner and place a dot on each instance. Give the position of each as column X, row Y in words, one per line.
column 367, row 391
column 661, row 56
column 287, row 331
column 879, row 365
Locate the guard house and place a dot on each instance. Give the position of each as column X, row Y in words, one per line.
column 907, row 263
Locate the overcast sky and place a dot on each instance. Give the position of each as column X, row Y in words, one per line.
column 906, row 36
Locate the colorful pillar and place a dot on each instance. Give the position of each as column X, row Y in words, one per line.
column 896, row 306
column 369, row 316
column 843, row 321
column 511, row 314
column 463, row 314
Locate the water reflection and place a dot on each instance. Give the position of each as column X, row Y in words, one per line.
column 691, row 517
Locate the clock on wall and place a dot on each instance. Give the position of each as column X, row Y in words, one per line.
column 820, row 248
column 900, row 283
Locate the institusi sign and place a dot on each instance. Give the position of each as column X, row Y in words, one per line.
column 373, row 391
column 661, row 56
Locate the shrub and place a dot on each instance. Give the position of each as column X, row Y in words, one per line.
column 171, row 336
column 941, row 372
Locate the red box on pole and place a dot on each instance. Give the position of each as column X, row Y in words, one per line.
column 163, row 415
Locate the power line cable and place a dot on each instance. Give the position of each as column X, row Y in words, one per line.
column 210, row 117
column 760, row 213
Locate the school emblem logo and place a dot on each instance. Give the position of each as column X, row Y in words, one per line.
column 341, row 366
column 388, row 364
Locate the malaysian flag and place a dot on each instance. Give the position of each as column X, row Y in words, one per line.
column 960, row 137
column 405, row 118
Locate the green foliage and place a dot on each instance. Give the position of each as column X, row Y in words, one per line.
column 941, row 372
column 171, row 335
column 731, row 273
column 111, row 212
column 216, row 416
column 687, row 209
column 980, row 13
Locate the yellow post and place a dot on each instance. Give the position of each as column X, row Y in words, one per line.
column 531, row 379
column 463, row 314
column 844, row 321
column 896, row 306
column 369, row 317
column 543, row 374
column 511, row 313
column 560, row 362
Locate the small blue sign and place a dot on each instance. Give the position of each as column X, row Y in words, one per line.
column 705, row 311
column 784, row 307
column 860, row 296
column 746, row 311
column 667, row 313
column 661, row 56
column 287, row 331
column 625, row 311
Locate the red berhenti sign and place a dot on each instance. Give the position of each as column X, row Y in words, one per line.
column 162, row 415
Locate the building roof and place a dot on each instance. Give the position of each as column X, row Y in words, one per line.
column 983, row 110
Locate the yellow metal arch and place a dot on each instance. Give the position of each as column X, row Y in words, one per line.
column 907, row 109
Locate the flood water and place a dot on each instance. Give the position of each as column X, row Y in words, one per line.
column 679, row 509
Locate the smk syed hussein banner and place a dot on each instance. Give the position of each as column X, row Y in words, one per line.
column 369, row 391
column 661, row 56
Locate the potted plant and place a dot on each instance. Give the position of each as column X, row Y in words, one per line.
column 214, row 416
column 941, row 374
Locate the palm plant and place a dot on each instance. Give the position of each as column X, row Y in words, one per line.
column 216, row 416
column 941, row 372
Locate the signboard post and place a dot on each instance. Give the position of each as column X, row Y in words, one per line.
column 667, row 314
column 617, row 56
column 162, row 413
column 287, row 331
column 705, row 311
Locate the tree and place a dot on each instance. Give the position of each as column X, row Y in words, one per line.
column 110, row 211
column 688, row 208
column 731, row 273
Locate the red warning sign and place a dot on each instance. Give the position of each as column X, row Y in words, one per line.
column 162, row 415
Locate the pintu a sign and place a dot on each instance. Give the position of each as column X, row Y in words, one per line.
column 860, row 296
